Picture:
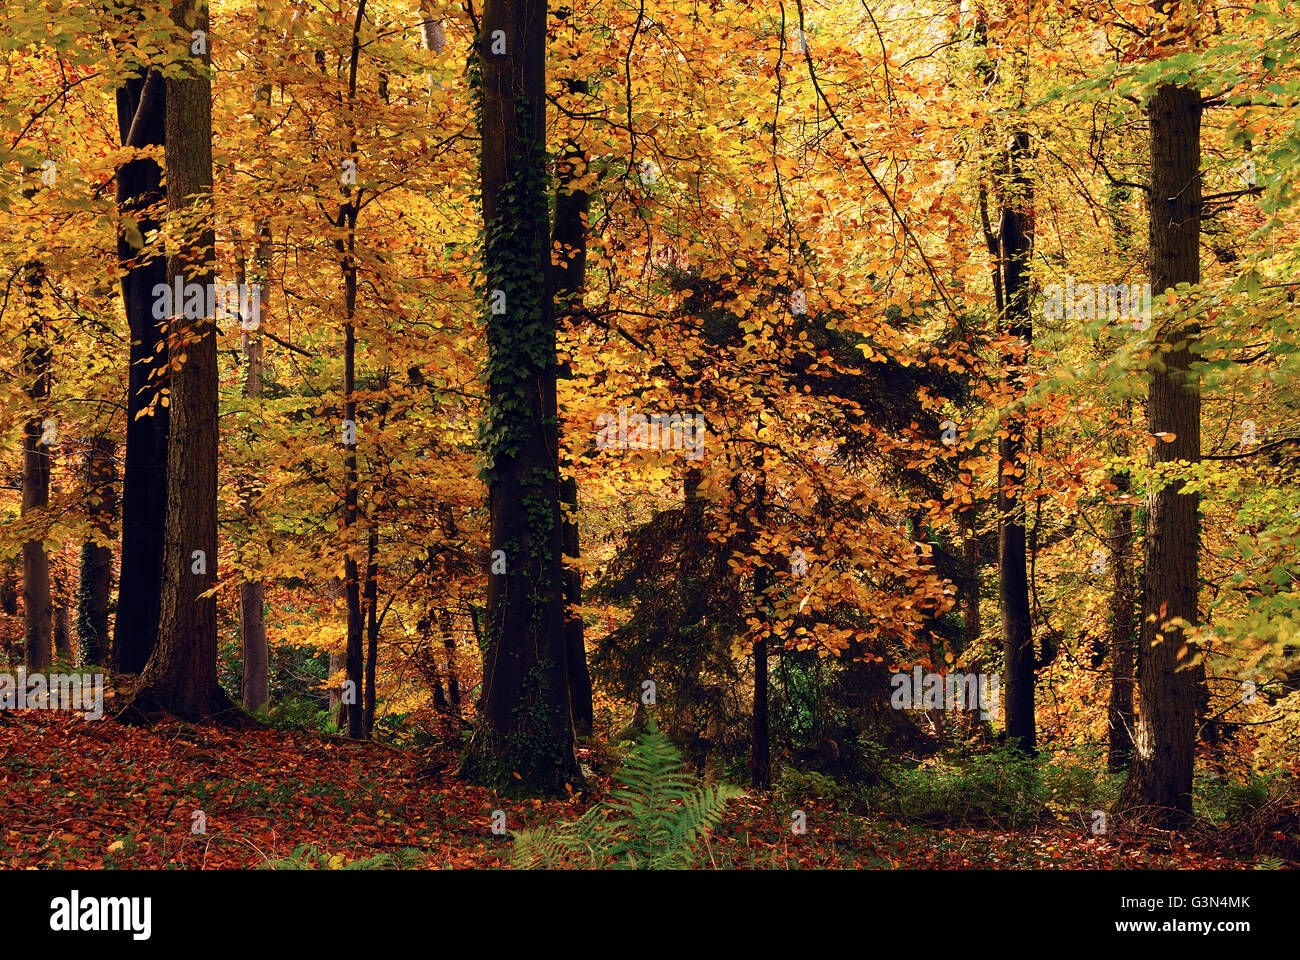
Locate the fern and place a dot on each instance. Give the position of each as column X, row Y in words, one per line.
column 653, row 820
column 307, row 856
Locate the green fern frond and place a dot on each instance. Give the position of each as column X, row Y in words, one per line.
column 308, row 856
column 653, row 820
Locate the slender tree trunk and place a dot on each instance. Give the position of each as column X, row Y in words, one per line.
column 252, row 592
column 432, row 35
column 1016, row 240
column 569, row 264
column 971, row 627
column 62, row 633
column 38, row 623
column 95, row 582
column 351, row 574
column 141, row 118
column 760, row 740
column 525, row 726
column 336, row 700
column 1119, row 712
column 1165, row 744
column 256, row 686
column 180, row 678
column 445, row 620
column 9, row 596
column 372, row 627
column 449, row 646
column 760, row 745
column 333, row 589
column 345, row 245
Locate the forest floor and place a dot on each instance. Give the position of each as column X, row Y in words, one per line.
column 76, row 794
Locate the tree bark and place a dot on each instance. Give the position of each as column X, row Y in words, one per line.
column 180, row 678
column 760, row 735
column 95, row 581
column 1165, row 743
column 141, row 118
column 38, row 622
column 255, row 686
column 62, row 633
column 1016, row 239
column 569, row 263
column 345, row 246
column 971, row 626
column 372, row 627
column 523, row 737
column 351, row 572
column 1119, row 711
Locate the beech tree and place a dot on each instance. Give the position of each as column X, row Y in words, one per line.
column 180, row 678
column 525, row 724
column 39, row 431
column 1165, row 741
column 141, row 118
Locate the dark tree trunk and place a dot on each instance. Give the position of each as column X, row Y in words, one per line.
column 971, row 627
column 351, row 572
column 760, row 745
column 141, row 118
column 180, row 678
column 760, row 738
column 9, row 596
column 346, row 248
column 569, row 263
column 449, row 646
column 525, row 726
column 62, row 633
column 95, row 581
column 1165, row 744
column 445, row 620
column 256, row 687
column 38, row 620
column 1016, row 240
column 1120, row 709
column 372, row 628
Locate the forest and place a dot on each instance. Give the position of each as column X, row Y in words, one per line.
column 660, row 434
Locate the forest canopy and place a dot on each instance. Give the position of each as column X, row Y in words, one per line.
column 671, row 409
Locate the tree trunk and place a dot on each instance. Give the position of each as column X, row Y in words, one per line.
column 346, row 247
column 1165, row 744
column 569, row 263
column 445, row 620
column 352, row 701
column 95, row 581
column 38, row 623
column 760, row 738
column 760, row 741
column 372, row 628
column 1016, row 239
column 525, row 726
column 255, row 687
column 1119, row 712
column 141, row 118
column 180, row 678
column 971, row 627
